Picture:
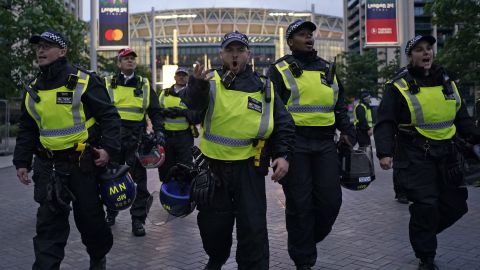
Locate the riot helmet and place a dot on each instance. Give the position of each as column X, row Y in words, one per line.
column 117, row 188
column 175, row 195
column 150, row 153
column 356, row 168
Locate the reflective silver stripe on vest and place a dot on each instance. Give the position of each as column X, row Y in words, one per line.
column 334, row 86
column 131, row 110
column 293, row 84
column 176, row 121
column 211, row 105
column 457, row 96
column 62, row 131
column 162, row 100
column 145, row 96
column 110, row 89
column 310, row 109
column 265, row 121
column 77, row 119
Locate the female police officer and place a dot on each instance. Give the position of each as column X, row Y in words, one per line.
column 422, row 106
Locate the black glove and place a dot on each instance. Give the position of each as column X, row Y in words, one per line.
column 173, row 112
column 203, row 188
column 160, row 138
column 181, row 172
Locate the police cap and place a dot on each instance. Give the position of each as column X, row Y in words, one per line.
column 50, row 36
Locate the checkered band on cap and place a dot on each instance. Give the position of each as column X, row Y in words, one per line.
column 411, row 43
column 296, row 24
column 56, row 38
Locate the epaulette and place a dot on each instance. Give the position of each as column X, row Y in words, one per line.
column 89, row 72
column 286, row 57
column 401, row 73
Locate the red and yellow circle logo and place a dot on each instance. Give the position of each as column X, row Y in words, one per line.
column 113, row 34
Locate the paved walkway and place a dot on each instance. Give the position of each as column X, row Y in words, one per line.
column 370, row 233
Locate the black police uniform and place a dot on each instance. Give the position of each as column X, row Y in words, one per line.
column 362, row 126
column 179, row 143
column 131, row 133
column 52, row 218
column 421, row 164
column 240, row 192
column 312, row 187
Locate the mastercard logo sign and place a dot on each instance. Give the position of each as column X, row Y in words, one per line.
column 113, row 34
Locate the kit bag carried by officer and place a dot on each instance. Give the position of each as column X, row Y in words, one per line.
column 70, row 125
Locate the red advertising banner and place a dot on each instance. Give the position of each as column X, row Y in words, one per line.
column 381, row 26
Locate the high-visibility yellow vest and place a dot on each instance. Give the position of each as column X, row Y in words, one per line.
column 311, row 102
column 432, row 114
column 130, row 105
column 234, row 119
column 177, row 123
column 60, row 116
column 368, row 116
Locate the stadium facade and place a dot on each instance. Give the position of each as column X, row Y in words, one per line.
column 199, row 32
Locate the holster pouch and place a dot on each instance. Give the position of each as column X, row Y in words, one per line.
column 454, row 169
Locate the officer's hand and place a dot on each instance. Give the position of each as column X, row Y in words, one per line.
column 160, row 138
column 103, row 157
column 345, row 141
column 370, row 132
column 199, row 72
column 22, row 174
column 386, row 163
column 280, row 168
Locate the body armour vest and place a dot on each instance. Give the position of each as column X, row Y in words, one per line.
column 131, row 102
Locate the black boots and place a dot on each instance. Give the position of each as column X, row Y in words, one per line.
column 427, row 264
column 98, row 264
column 137, row 228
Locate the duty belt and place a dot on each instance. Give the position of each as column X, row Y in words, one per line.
column 63, row 155
column 411, row 136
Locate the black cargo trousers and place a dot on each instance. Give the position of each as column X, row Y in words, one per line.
column 52, row 220
column 239, row 197
column 143, row 199
column 178, row 149
column 313, row 197
column 436, row 204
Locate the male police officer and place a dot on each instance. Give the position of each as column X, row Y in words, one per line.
column 308, row 86
column 180, row 124
column 66, row 107
column 362, row 115
column 134, row 97
column 242, row 111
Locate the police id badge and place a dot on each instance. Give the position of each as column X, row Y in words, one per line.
column 64, row 97
column 254, row 104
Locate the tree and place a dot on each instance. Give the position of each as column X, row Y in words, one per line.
column 20, row 19
column 461, row 53
column 358, row 72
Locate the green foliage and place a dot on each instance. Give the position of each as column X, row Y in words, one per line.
column 358, row 72
column 19, row 20
column 461, row 53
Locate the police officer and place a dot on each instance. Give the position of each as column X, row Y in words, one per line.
column 242, row 111
column 313, row 95
column 423, row 108
column 180, row 124
column 134, row 97
column 362, row 119
column 65, row 107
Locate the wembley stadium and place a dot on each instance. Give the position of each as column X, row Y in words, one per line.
column 197, row 33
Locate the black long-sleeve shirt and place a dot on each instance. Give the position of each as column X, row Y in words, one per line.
column 310, row 61
column 393, row 111
column 282, row 139
column 96, row 103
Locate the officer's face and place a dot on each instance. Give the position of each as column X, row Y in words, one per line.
column 301, row 41
column 235, row 56
column 48, row 52
column 181, row 78
column 127, row 64
column 422, row 55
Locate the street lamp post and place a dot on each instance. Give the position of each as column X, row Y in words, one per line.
column 153, row 52
column 93, row 35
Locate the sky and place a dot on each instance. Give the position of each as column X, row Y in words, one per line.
column 327, row 7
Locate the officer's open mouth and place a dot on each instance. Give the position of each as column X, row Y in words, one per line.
column 234, row 63
column 426, row 60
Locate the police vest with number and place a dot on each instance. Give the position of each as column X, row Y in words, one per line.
column 368, row 116
column 60, row 116
column 169, row 101
column 131, row 103
column 432, row 114
column 234, row 119
column 312, row 100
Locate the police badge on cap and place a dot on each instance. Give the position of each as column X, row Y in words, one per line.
column 50, row 36
column 297, row 25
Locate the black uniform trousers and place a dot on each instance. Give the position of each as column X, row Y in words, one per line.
column 362, row 137
column 436, row 205
column 52, row 221
column 143, row 199
column 239, row 197
column 178, row 149
column 313, row 197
